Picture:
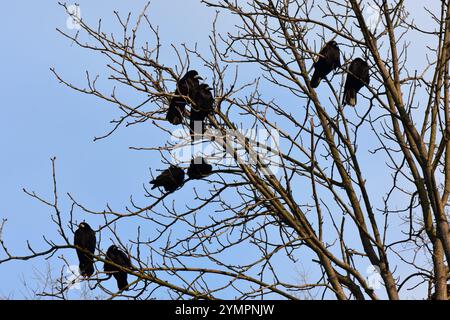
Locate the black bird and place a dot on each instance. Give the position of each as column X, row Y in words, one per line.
column 203, row 99
column 176, row 111
column 187, row 86
column 357, row 77
column 85, row 239
column 171, row 179
column 329, row 60
column 199, row 168
column 203, row 105
column 117, row 256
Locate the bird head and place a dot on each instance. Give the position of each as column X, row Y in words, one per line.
column 193, row 74
column 113, row 248
column 84, row 225
column 333, row 43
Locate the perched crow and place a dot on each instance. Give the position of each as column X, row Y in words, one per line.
column 114, row 254
column 176, row 111
column 171, row 179
column 203, row 105
column 357, row 77
column 85, row 239
column 328, row 61
column 203, row 99
column 199, row 168
column 187, row 86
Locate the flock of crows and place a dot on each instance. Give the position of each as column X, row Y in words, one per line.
column 85, row 242
column 329, row 60
column 116, row 259
column 199, row 97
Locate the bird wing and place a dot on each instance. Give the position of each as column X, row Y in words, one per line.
column 332, row 55
column 92, row 241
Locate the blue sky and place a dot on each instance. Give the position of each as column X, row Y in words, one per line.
column 41, row 118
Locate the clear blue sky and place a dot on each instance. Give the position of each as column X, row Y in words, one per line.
column 41, row 118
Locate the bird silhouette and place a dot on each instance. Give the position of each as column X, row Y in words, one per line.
column 329, row 60
column 170, row 179
column 176, row 111
column 84, row 238
column 117, row 256
column 186, row 90
column 199, row 168
column 357, row 77
column 203, row 105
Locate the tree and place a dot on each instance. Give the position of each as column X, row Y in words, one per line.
column 305, row 192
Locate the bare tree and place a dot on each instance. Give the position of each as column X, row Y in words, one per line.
column 303, row 194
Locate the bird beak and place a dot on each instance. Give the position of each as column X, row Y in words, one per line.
column 198, row 77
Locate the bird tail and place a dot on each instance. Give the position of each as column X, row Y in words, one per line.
column 175, row 112
column 350, row 97
column 315, row 80
column 122, row 281
column 87, row 269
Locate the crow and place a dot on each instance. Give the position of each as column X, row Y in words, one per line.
column 176, row 111
column 117, row 256
column 357, row 77
column 203, row 105
column 170, row 179
column 203, row 99
column 84, row 238
column 329, row 60
column 187, row 86
column 199, row 168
